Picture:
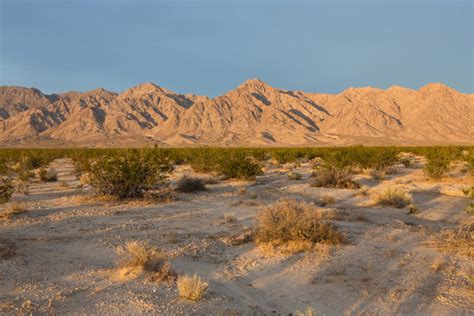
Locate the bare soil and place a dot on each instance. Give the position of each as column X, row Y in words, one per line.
column 59, row 256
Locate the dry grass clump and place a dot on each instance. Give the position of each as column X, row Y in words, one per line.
column 459, row 240
column 288, row 221
column 309, row 311
column 292, row 175
column 188, row 185
column 334, row 178
column 378, row 173
column 13, row 209
column 138, row 256
column 393, row 197
column 48, row 175
column 191, row 287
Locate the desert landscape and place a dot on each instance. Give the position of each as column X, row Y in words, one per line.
column 237, row 158
column 346, row 231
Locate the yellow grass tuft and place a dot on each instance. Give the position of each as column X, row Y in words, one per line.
column 393, row 197
column 191, row 287
column 136, row 257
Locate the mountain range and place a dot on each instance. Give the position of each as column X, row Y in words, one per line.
column 253, row 114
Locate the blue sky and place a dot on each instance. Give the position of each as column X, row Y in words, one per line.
column 209, row 47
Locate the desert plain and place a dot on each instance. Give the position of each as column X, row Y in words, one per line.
column 59, row 248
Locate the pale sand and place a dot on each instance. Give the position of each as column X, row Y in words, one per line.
column 65, row 256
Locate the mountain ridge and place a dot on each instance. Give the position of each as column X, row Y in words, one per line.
column 252, row 114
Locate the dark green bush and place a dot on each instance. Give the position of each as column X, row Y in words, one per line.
column 239, row 166
column 130, row 174
column 188, row 185
column 438, row 162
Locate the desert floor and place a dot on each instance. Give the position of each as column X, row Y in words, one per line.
column 394, row 263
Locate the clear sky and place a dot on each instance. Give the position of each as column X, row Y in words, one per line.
column 209, row 47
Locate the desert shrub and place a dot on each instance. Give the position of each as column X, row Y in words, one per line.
column 326, row 200
column 132, row 174
column 407, row 161
column 292, row 175
column 191, row 287
column 286, row 155
column 288, row 220
column 393, row 197
column 458, row 239
column 6, row 189
column 48, row 175
column 436, row 167
column 378, row 174
column 137, row 254
column 334, row 178
column 239, row 166
column 470, row 162
column 439, row 160
column 188, row 184
column 140, row 256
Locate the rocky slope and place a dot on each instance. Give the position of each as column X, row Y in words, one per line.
column 253, row 114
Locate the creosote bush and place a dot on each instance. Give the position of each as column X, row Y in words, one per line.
column 188, row 185
column 436, row 167
column 129, row 175
column 393, row 197
column 290, row 221
column 334, row 178
column 239, row 166
column 6, row 189
column 191, row 287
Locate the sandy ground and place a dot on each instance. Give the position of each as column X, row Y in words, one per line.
column 65, row 251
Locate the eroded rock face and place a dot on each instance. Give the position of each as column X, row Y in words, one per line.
column 252, row 114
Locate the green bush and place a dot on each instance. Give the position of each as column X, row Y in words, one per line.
column 130, row 174
column 238, row 166
column 188, row 185
column 436, row 167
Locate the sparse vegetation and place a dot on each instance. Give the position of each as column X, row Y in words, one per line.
column 309, row 311
column 291, row 221
column 48, row 175
column 292, row 175
column 188, row 185
column 393, row 197
column 334, row 178
column 191, row 287
column 130, row 175
column 13, row 209
column 6, row 189
column 326, row 199
column 139, row 256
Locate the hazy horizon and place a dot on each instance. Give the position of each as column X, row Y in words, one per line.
column 209, row 48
